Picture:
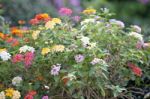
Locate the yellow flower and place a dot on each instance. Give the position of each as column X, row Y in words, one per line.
column 35, row 34
column 9, row 92
column 89, row 11
column 56, row 20
column 45, row 51
column 58, row 48
column 3, row 49
column 50, row 25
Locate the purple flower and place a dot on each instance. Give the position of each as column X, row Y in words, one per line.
column 79, row 58
column 55, row 70
column 45, row 97
column 144, row 1
column 76, row 18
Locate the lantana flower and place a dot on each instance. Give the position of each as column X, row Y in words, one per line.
column 55, row 69
column 45, row 51
column 89, row 11
column 16, row 81
column 26, row 48
column 79, row 58
column 4, row 55
column 65, row 11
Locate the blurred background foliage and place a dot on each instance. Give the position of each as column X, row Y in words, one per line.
column 129, row 11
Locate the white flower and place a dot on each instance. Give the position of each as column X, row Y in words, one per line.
column 46, row 87
column 5, row 55
column 71, row 76
column 91, row 45
column 136, row 28
column 2, row 95
column 95, row 61
column 86, row 21
column 26, row 48
column 16, row 95
column 85, row 41
column 136, row 35
column 16, row 81
column 117, row 22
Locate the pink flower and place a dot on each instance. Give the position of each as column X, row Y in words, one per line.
column 65, row 11
column 17, row 58
column 28, row 58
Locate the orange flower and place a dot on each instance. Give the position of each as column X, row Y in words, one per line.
column 2, row 35
column 17, row 32
column 21, row 22
column 42, row 16
column 65, row 80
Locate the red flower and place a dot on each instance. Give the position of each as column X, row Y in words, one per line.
column 137, row 71
column 30, row 95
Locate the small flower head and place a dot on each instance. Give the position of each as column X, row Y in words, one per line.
column 55, row 69
column 28, row 58
column 9, row 92
column 56, row 20
column 89, row 11
column 79, row 58
column 2, row 95
column 117, row 22
column 45, row 51
column 16, row 95
column 58, row 48
column 136, row 35
column 26, row 48
column 17, row 58
column 4, row 55
column 50, row 25
column 45, row 97
column 16, row 81
column 65, row 11
column 136, row 28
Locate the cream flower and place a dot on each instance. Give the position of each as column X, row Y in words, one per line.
column 16, row 95
column 136, row 35
column 26, row 48
column 2, row 95
column 50, row 25
column 58, row 48
column 86, row 21
column 35, row 34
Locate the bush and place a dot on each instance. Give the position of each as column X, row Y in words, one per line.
column 59, row 58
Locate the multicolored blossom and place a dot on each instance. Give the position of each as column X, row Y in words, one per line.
column 57, row 48
column 55, row 69
column 117, row 22
column 28, row 58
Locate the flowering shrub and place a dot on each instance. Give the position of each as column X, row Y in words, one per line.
column 92, row 57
